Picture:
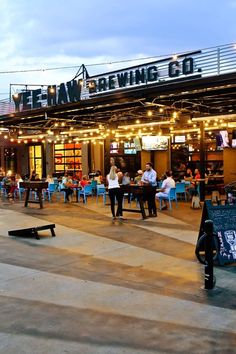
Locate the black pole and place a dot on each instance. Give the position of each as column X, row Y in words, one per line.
column 209, row 277
column 202, row 161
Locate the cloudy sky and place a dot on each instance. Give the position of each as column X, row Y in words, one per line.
column 54, row 33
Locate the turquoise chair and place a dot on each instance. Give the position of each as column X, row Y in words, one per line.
column 180, row 190
column 19, row 192
column 50, row 191
column 94, row 186
column 85, row 192
column 170, row 197
column 101, row 190
column 3, row 191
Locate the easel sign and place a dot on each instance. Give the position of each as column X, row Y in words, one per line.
column 224, row 224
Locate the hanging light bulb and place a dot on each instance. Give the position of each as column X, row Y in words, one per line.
column 175, row 114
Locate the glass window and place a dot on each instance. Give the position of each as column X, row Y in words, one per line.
column 67, row 157
column 35, row 159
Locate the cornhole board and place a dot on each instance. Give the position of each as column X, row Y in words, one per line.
column 33, row 231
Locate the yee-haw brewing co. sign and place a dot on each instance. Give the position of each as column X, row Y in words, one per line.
column 72, row 91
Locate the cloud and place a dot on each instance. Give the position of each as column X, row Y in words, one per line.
column 35, row 34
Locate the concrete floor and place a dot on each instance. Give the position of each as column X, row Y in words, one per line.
column 103, row 287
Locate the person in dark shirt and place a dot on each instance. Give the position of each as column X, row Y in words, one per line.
column 33, row 175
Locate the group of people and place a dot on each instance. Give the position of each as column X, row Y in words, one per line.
column 11, row 183
column 68, row 183
column 148, row 178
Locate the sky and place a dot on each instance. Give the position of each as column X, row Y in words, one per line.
column 57, row 33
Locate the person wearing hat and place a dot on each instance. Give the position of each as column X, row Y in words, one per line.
column 138, row 178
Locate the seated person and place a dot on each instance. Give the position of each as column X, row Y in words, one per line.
column 167, row 184
column 32, row 176
column 49, row 179
column 15, row 184
column 192, row 188
column 66, row 186
column 18, row 179
column 98, row 177
column 126, row 179
column 188, row 176
column 138, row 178
column 197, row 174
column 7, row 184
column 84, row 181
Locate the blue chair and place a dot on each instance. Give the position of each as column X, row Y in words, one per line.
column 19, row 192
column 85, row 192
column 49, row 191
column 59, row 190
column 3, row 191
column 94, row 186
column 170, row 197
column 180, row 190
column 101, row 190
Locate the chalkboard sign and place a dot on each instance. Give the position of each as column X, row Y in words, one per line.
column 224, row 224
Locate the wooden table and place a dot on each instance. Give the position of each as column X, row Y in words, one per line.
column 138, row 192
column 36, row 186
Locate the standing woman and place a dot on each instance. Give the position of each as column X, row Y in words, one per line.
column 115, row 192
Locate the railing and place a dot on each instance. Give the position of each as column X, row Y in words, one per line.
column 206, row 63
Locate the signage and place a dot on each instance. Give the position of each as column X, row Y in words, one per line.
column 224, row 224
column 73, row 91
column 53, row 95
column 159, row 71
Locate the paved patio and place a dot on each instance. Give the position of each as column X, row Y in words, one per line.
column 103, row 287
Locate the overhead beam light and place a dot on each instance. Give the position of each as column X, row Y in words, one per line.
column 143, row 124
column 224, row 117
column 31, row 136
column 89, row 138
column 81, row 131
column 185, row 130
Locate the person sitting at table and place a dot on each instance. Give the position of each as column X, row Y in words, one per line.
column 188, row 175
column 18, row 179
column 49, row 179
column 32, row 176
column 167, row 184
column 98, row 177
column 15, row 184
column 67, row 186
column 126, row 179
column 84, row 181
column 191, row 189
column 7, row 183
column 138, row 178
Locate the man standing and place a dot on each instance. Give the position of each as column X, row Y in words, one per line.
column 149, row 178
column 167, row 184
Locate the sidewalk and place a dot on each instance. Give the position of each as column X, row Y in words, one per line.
column 103, row 287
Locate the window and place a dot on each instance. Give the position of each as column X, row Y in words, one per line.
column 67, row 157
column 35, row 159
